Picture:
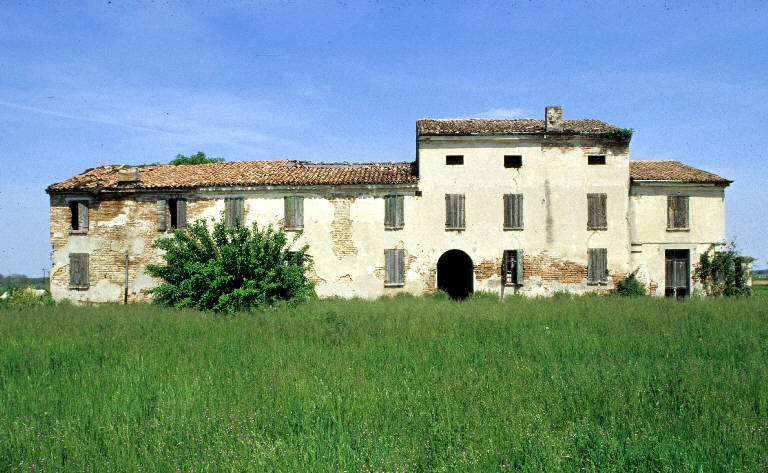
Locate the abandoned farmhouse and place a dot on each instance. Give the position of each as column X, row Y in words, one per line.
column 508, row 206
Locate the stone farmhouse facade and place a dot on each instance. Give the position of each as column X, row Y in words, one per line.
column 507, row 206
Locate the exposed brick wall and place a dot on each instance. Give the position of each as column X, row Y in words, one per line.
column 488, row 268
column 551, row 269
column 341, row 228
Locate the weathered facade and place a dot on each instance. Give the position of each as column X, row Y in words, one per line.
column 512, row 206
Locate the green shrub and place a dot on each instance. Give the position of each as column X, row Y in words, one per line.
column 199, row 158
column 724, row 273
column 25, row 298
column 619, row 134
column 630, row 287
column 231, row 269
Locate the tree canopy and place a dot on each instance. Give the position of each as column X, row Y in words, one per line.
column 199, row 158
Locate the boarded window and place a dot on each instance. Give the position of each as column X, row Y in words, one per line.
column 513, row 161
column 512, row 267
column 394, row 267
column 454, row 211
column 513, row 211
column 294, row 213
column 596, row 212
column 597, row 268
column 677, row 212
column 454, row 160
column 78, row 270
column 78, row 210
column 234, row 211
column 596, row 160
column 393, row 211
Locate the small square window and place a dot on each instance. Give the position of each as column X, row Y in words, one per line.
column 513, row 161
column 454, row 160
column 596, row 160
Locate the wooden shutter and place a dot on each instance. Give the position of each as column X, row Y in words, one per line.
column 78, row 270
column 240, row 207
column 181, row 213
column 394, row 267
column 513, row 210
column 389, row 211
column 82, row 215
column 162, row 216
column 228, row 216
column 602, row 216
column 677, row 211
column 454, row 210
column 294, row 212
column 596, row 208
column 399, row 211
column 597, row 267
column 449, row 211
column 519, row 267
column 508, row 210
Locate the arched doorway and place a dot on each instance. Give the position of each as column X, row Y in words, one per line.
column 455, row 274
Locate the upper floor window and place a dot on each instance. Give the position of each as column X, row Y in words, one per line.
column 513, row 211
column 513, row 161
column 78, row 210
column 596, row 160
column 512, row 267
column 393, row 212
column 597, row 265
column 677, row 212
column 454, row 211
column 596, row 212
column 171, row 213
column 234, row 211
column 394, row 267
column 453, row 160
column 294, row 213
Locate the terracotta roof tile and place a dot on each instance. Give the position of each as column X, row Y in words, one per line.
column 671, row 171
column 487, row 126
column 242, row 173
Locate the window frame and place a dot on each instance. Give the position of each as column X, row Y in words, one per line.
column 512, row 268
column 234, row 211
column 602, row 207
column 394, row 277
column 671, row 217
column 515, row 200
column 293, row 221
column 599, row 158
column 79, row 214
column 513, row 161
column 394, row 211
column 455, row 205
column 592, row 278
column 84, row 275
column 454, row 159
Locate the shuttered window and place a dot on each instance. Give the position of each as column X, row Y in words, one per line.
column 234, row 211
column 677, row 212
column 393, row 211
column 162, row 215
column 513, row 211
column 294, row 213
column 597, row 268
column 181, row 214
column 394, row 268
column 78, row 271
column 171, row 213
column 78, row 210
column 454, row 211
column 596, row 212
column 512, row 267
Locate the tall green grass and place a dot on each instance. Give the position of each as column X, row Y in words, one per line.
column 402, row 384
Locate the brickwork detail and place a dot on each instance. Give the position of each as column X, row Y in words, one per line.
column 341, row 228
column 487, row 269
column 551, row 269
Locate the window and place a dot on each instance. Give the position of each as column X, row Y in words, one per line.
column 294, row 213
column 454, row 160
column 171, row 213
column 513, row 161
column 596, row 212
column 78, row 271
column 677, row 212
column 597, row 268
column 512, row 267
column 454, row 211
column 596, row 160
column 513, row 211
column 78, row 210
column 394, row 268
column 393, row 212
column 234, row 211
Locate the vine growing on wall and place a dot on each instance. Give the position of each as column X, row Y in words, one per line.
column 724, row 273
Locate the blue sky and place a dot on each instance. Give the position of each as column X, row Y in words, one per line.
column 140, row 81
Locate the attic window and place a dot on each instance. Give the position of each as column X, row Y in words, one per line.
column 513, row 161
column 596, row 160
column 78, row 216
column 454, row 160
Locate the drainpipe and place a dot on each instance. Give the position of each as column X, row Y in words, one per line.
column 125, row 294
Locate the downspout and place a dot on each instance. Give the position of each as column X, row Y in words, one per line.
column 125, row 294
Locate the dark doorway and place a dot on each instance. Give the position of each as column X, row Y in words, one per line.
column 677, row 273
column 455, row 274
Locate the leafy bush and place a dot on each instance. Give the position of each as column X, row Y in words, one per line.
column 231, row 269
column 25, row 298
column 630, row 287
column 199, row 158
column 724, row 273
column 619, row 134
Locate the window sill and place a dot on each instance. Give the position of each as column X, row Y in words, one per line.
column 678, row 229
column 597, row 229
column 394, row 284
column 513, row 229
column 512, row 284
column 293, row 229
column 455, row 229
column 79, row 288
column 392, row 228
column 78, row 232
column 597, row 283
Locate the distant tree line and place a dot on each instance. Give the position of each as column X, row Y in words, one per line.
column 20, row 280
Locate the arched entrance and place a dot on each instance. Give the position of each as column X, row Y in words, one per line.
column 455, row 274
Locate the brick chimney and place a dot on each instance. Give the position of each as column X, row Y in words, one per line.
column 127, row 175
column 553, row 118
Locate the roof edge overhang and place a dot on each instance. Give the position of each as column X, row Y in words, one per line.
column 662, row 182
column 245, row 188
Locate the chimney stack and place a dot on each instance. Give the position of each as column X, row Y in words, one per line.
column 553, row 118
column 127, row 175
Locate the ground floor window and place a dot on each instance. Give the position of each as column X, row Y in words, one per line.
column 677, row 273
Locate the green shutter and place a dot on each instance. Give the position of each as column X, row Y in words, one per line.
column 400, row 211
column 294, row 212
column 162, row 218
column 519, row 267
column 181, row 213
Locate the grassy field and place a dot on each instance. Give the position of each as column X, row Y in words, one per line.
column 760, row 287
column 585, row 384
